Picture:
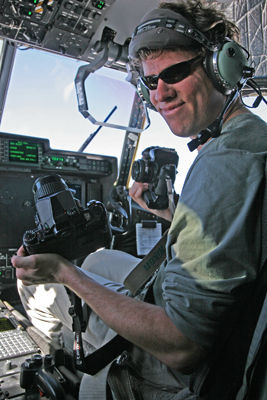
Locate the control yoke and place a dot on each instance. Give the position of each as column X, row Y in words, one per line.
column 108, row 53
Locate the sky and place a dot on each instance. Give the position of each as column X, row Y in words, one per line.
column 42, row 102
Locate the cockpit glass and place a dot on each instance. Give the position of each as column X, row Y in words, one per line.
column 42, row 102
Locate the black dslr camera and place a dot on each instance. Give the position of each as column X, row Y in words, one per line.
column 64, row 227
column 157, row 166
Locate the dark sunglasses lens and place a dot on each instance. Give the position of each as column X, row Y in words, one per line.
column 176, row 73
column 150, row 82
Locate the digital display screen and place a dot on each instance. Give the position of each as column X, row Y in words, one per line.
column 5, row 325
column 57, row 159
column 23, row 152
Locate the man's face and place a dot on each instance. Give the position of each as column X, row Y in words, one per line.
column 189, row 105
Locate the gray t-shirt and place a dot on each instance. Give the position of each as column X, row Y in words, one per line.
column 214, row 242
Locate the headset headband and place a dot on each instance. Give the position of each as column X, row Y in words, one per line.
column 163, row 29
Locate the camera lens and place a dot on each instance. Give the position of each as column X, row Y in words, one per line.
column 136, row 170
column 143, row 171
column 48, row 184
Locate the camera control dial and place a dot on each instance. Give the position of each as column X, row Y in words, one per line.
column 30, row 237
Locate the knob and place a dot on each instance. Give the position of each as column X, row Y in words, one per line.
column 37, row 359
column 30, row 237
column 7, row 366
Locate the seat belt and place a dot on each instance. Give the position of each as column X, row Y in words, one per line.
column 145, row 269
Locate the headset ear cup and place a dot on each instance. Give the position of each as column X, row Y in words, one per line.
column 225, row 67
column 144, row 95
column 209, row 67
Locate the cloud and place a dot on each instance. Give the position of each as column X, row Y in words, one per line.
column 67, row 91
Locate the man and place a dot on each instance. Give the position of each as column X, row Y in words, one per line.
column 214, row 243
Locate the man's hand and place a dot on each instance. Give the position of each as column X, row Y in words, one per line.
column 39, row 268
column 136, row 193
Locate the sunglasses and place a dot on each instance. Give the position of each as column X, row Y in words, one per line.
column 173, row 74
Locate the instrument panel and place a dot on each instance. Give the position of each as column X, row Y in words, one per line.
column 64, row 27
column 35, row 153
column 73, row 28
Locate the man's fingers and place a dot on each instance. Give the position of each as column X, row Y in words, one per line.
column 23, row 262
column 22, row 252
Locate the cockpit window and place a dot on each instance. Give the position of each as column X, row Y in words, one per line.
column 42, row 102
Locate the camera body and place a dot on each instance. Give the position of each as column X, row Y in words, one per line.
column 64, row 227
column 156, row 167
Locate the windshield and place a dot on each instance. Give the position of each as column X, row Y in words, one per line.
column 42, row 102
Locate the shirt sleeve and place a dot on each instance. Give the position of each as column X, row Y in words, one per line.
column 214, row 243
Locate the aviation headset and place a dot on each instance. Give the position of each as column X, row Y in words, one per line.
column 224, row 62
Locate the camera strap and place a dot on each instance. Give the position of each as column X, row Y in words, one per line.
column 145, row 269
